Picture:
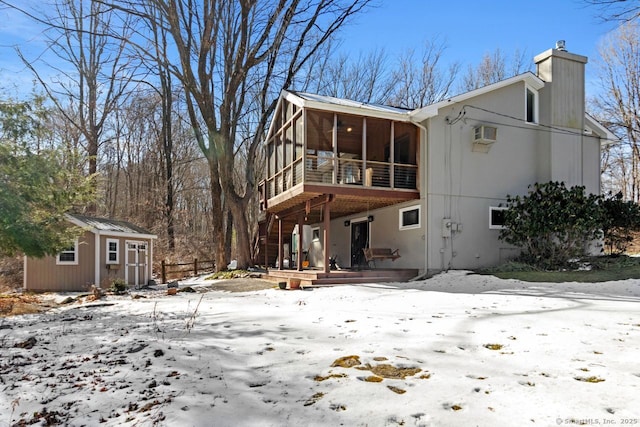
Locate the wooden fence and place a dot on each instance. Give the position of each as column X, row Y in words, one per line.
column 180, row 270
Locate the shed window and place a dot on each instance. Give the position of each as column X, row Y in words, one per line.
column 409, row 218
column 113, row 246
column 68, row 256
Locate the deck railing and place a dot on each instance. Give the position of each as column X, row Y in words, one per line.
column 352, row 172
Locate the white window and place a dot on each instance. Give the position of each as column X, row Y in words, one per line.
column 68, row 256
column 316, row 234
column 113, row 251
column 496, row 217
column 531, row 105
column 409, row 217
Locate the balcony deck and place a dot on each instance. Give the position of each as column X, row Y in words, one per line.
column 381, row 184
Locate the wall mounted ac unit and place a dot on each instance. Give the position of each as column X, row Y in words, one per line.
column 483, row 137
column 485, row 134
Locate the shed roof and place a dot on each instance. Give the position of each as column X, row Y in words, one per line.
column 108, row 225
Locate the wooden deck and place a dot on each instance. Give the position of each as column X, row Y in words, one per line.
column 336, row 277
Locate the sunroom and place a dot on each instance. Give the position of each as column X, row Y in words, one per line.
column 329, row 157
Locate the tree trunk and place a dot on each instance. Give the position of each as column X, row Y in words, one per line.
column 218, row 245
column 243, row 239
column 228, row 242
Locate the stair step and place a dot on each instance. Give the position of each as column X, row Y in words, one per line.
column 317, row 278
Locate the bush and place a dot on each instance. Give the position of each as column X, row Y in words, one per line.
column 620, row 219
column 552, row 224
column 119, row 287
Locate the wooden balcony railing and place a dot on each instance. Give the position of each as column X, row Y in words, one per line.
column 351, row 172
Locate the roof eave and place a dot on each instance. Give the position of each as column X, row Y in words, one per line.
column 368, row 110
column 606, row 136
column 432, row 110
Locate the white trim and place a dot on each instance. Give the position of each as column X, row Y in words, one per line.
column 150, row 262
column 122, row 234
column 401, row 226
column 346, row 106
column 129, row 235
column 493, row 226
column 75, row 256
column 108, row 252
column 24, row 275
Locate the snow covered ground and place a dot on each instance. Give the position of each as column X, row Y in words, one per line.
column 457, row 349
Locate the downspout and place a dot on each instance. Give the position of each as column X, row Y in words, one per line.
column 426, row 209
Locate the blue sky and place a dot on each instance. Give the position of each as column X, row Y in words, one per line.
column 468, row 28
column 471, row 28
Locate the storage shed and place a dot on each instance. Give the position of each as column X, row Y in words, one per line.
column 107, row 250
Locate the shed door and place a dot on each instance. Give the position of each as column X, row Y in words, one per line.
column 136, row 265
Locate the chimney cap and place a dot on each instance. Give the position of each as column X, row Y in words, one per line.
column 560, row 45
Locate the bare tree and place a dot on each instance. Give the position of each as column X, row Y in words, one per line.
column 422, row 82
column 92, row 72
column 411, row 82
column 493, row 67
column 229, row 53
column 361, row 78
column 617, row 10
column 165, row 90
column 618, row 107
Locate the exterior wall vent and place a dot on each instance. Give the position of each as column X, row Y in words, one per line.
column 483, row 138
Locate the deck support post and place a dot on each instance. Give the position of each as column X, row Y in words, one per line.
column 280, row 246
column 327, row 236
column 300, row 237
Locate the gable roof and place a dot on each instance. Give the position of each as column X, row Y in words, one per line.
column 340, row 105
column 347, row 106
column 110, row 226
column 429, row 111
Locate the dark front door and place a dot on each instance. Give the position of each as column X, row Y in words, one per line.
column 359, row 241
